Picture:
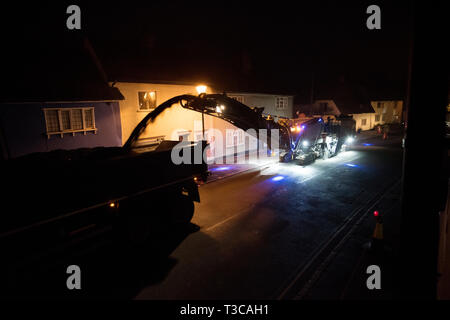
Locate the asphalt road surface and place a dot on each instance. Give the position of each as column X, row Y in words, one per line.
column 258, row 227
column 249, row 237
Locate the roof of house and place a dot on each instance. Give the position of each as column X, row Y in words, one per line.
column 258, row 93
column 349, row 98
column 386, row 94
column 56, row 68
column 158, row 70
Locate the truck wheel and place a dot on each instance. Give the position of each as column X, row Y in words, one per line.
column 182, row 210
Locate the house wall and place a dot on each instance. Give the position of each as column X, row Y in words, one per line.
column 24, row 128
column 390, row 111
column 370, row 121
column 176, row 121
column 268, row 102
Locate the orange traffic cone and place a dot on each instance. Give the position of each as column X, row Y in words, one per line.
column 377, row 242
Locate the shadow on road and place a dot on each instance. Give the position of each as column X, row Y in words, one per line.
column 116, row 270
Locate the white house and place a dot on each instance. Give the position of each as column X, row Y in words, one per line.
column 276, row 105
column 343, row 98
column 177, row 122
column 387, row 111
column 362, row 113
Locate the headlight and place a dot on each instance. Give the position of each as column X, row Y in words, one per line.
column 350, row 140
column 305, row 143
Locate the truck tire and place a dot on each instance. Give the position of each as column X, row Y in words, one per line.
column 182, row 210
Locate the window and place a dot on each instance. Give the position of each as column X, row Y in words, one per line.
column 183, row 135
column 69, row 120
column 377, row 117
column 234, row 137
column 380, row 104
column 241, row 137
column 230, row 139
column 147, row 100
column 363, row 122
column 238, row 98
column 384, row 117
column 281, row 103
column 198, row 135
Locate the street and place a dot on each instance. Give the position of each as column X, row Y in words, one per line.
column 257, row 227
column 251, row 237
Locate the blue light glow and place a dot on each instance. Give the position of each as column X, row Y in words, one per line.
column 351, row 165
column 368, row 144
column 221, row 169
column 277, row 178
column 320, row 119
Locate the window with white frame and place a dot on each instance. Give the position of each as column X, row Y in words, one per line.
column 240, row 137
column 281, row 103
column 380, row 104
column 147, row 100
column 198, row 135
column 238, row 98
column 69, row 120
column 234, row 138
column 377, row 117
column 363, row 122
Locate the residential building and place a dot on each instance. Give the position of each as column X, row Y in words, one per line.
column 276, row 105
column 177, row 122
column 387, row 111
column 62, row 101
column 342, row 99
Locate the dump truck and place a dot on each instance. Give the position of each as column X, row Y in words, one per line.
column 55, row 201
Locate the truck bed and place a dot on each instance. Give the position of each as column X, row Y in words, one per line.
column 44, row 185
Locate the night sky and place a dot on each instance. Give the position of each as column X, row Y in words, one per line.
column 272, row 46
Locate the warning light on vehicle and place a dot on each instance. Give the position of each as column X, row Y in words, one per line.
column 376, row 213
